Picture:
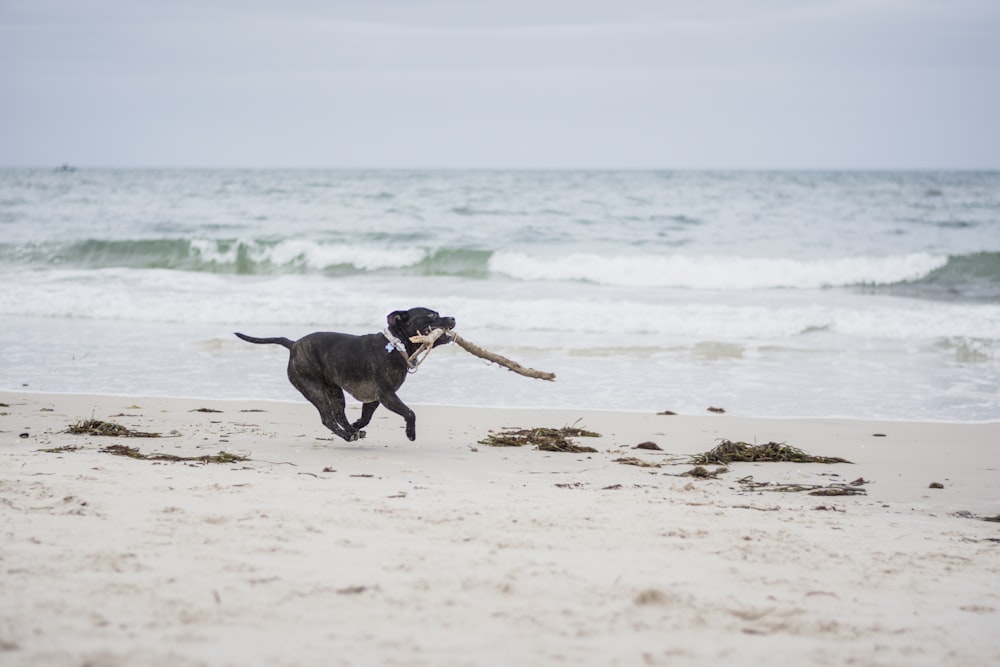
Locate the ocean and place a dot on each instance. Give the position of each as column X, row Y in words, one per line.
column 773, row 294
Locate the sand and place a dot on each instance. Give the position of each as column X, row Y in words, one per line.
column 447, row 552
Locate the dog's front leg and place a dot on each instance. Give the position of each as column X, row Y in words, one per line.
column 392, row 402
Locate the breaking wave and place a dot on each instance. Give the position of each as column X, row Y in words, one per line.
column 975, row 276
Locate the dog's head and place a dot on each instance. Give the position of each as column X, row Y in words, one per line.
column 415, row 321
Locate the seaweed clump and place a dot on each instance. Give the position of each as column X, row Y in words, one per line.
column 836, row 489
column 544, row 439
column 134, row 453
column 98, row 427
column 728, row 451
column 635, row 461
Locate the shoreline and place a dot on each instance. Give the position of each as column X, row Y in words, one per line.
column 448, row 551
column 298, row 399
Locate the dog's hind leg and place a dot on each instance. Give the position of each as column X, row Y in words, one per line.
column 329, row 401
column 367, row 410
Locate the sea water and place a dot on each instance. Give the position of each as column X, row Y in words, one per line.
column 782, row 294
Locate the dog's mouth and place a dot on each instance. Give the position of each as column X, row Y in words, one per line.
column 444, row 323
column 426, row 331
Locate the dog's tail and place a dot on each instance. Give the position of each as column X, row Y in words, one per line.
column 263, row 341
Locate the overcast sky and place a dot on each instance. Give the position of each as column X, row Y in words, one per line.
column 501, row 83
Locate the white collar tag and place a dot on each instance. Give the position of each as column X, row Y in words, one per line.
column 393, row 343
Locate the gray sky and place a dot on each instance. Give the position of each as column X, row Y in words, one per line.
column 504, row 83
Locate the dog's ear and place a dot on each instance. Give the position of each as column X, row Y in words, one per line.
column 397, row 317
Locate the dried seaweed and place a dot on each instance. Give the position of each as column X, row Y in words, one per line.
column 134, row 453
column 98, row 427
column 545, row 439
column 60, row 450
column 836, row 489
column 728, row 451
column 839, row 490
column 565, row 446
column 704, row 473
column 633, row 461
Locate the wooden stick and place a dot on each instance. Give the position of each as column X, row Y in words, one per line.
column 427, row 343
column 503, row 361
column 472, row 348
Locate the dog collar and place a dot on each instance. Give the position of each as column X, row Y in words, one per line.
column 395, row 344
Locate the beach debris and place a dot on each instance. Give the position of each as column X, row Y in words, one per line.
column 935, row 485
column 427, row 343
column 545, row 439
column 651, row 596
column 716, row 410
column 111, row 429
column 634, row 461
column 728, row 451
column 704, row 473
column 568, row 447
column 60, row 450
column 836, row 489
column 649, row 445
column 134, row 453
column 878, row 435
column 24, row 435
column 205, row 410
column 669, row 413
column 994, row 519
column 754, row 507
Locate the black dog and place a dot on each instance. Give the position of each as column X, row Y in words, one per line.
column 371, row 368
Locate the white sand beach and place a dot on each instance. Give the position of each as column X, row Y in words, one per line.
column 444, row 551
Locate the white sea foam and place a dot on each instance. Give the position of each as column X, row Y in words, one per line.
column 158, row 295
column 307, row 254
column 715, row 272
column 320, row 256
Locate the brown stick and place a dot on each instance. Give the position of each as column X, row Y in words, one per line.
column 503, row 361
column 428, row 342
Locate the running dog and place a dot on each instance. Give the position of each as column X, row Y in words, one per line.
column 371, row 368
